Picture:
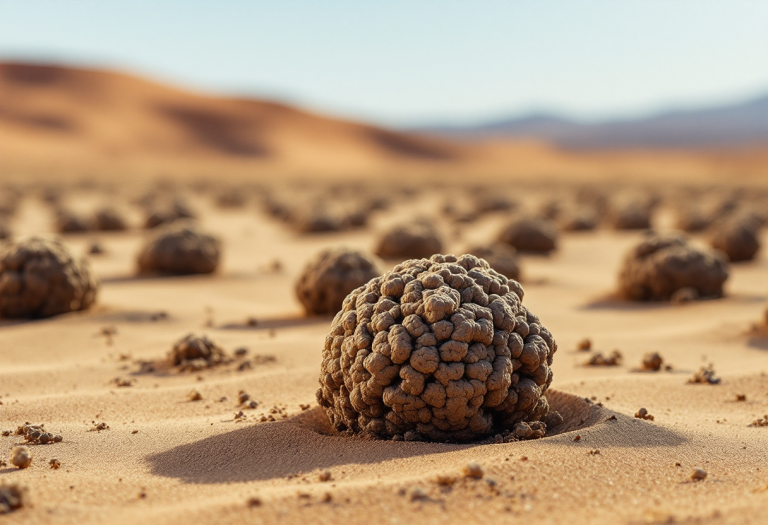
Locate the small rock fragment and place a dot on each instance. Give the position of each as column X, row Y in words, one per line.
column 21, row 456
column 324, row 475
column 698, row 474
column 643, row 414
column 652, row 362
column 705, row 375
column 54, row 463
column 614, row 359
column 585, row 345
column 194, row 395
column 473, row 470
column 760, row 422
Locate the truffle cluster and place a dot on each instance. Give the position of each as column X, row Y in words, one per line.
column 180, row 248
column 41, row 278
column 438, row 348
column 331, row 275
column 661, row 265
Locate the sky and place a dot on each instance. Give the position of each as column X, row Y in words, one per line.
column 413, row 62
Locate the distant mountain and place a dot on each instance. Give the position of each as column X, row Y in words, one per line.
column 735, row 125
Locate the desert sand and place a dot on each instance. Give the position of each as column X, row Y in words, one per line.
column 168, row 459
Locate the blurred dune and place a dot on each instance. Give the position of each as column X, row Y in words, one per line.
column 58, row 121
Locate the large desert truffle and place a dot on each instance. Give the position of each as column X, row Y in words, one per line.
column 501, row 257
column 738, row 238
column 331, row 275
column 413, row 240
column 180, row 248
column 438, row 348
column 530, row 234
column 41, row 277
column 660, row 265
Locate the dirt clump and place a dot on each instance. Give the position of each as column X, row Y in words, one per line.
column 180, row 249
column 21, row 456
column 11, row 498
column 530, row 234
column 698, row 474
column 473, row 470
column 705, row 375
column 37, row 435
column 331, row 275
column 502, row 258
column 193, row 353
column 440, row 349
column 738, row 238
column 413, row 240
column 652, row 362
column 41, row 277
column 760, row 422
column 585, row 345
column 612, row 359
column 643, row 414
column 660, row 265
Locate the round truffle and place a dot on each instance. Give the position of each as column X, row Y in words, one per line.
column 180, row 248
column 738, row 238
column 530, row 234
column 438, row 348
column 331, row 275
column 660, row 265
column 107, row 219
column 629, row 214
column 41, row 277
column 501, row 257
column 414, row 240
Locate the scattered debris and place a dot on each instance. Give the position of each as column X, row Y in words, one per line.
column 240, row 352
column 698, row 474
column 54, row 463
column 445, row 480
column 304, row 406
column 109, row 332
column 194, row 353
column 614, row 359
column 643, row 414
column 36, row 434
column 11, row 498
column 741, row 397
column 21, row 456
column 243, row 397
column 98, row 427
column 472, row 470
column 158, row 316
column 594, row 452
column 705, row 375
column 417, row 494
column 585, row 345
column 254, row 502
column 122, row 382
column 760, row 422
column 577, row 437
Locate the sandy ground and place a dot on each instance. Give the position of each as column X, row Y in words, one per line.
column 169, row 460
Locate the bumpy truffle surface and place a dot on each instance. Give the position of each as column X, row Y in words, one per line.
column 180, row 248
column 501, row 257
column 663, row 264
column 438, row 348
column 738, row 238
column 529, row 234
column 331, row 275
column 414, row 240
column 41, row 277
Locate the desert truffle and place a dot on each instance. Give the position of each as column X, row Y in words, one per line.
column 192, row 353
column 660, row 265
column 501, row 257
column 107, row 219
column 41, row 278
column 331, row 275
column 180, row 248
column 413, row 240
column 738, row 238
column 438, row 348
column 528, row 234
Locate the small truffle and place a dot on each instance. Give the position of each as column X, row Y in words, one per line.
column 652, row 362
column 108, row 219
column 409, row 241
column 180, row 249
column 662, row 264
column 440, row 349
column 193, row 353
column 738, row 238
column 502, row 258
column 21, row 456
column 528, row 234
column 41, row 278
column 628, row 213
column 331, row 275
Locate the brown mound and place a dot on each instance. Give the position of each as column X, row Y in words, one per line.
column 501, row 257
column 529, row 234
column 413, row 240
column 441, row 349
column 180, row 248
column 738, row 238
column 41, row 278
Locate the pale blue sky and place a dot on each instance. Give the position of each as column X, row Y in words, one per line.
column 402, row 62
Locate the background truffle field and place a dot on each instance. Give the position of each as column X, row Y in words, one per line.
column 245, row 441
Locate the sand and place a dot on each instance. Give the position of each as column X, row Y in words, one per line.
column 166, row 459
